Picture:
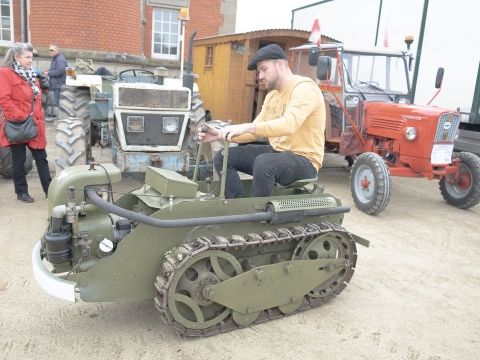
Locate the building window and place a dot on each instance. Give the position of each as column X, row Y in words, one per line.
column 6, row 22
column 209, row 57
column 166, row 34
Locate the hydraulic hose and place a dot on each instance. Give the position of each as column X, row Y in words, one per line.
column 269, row 215
column 148, row 220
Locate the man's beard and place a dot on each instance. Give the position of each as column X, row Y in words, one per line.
column 270, row 85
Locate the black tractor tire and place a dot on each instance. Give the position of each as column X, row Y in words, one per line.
column 6, row 162
column 197, row 119
column 463, row 191
column 70, row 144
column 370, row 183
column 74, row 103
column 350, row 159
column 48, row 101
column 197, row 112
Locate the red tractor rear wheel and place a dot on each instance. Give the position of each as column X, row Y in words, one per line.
column 463, row 189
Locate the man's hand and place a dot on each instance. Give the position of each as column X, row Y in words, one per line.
column 229, row 132
column 208, row 134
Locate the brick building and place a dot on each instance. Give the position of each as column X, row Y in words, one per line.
column 144, row 32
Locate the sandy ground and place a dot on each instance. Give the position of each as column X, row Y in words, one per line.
column 415, row 293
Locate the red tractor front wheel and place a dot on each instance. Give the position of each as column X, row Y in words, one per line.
column 463, row 189
column 370, row 183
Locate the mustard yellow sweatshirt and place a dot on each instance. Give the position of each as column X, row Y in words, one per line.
column 293, row 120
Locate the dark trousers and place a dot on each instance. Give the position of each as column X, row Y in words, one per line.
column 267, row 167
column 19, row 154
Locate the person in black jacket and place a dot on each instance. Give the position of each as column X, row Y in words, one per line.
column 56, row 72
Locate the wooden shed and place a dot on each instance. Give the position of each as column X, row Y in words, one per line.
column 228, row 90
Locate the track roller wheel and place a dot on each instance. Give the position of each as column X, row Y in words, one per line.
column 186, row 298
column 331, row 245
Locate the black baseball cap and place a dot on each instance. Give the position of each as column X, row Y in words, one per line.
column 269, row 52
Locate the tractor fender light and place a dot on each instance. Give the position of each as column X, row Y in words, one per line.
column 410, row 133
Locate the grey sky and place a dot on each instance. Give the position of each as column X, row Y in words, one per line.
column 451, row 37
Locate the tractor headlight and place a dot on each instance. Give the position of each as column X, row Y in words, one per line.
column 410, row 133
column 171, row 125
column 135, row 124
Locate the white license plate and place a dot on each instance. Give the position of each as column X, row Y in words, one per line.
column 442, row 154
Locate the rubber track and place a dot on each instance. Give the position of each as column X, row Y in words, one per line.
column 280, row 236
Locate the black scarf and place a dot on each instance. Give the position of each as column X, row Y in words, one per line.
column 28, row 75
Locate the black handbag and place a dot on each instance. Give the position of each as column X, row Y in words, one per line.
column 21, row 131
column 44, row 81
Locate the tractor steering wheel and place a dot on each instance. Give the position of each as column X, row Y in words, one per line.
column 135, row 73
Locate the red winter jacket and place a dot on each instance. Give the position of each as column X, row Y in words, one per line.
column 16, row 103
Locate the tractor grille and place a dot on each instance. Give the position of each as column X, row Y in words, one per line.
column 153, row 98
column 304, row 204
column 153, row 134
column 447, row 127
column 387, row 123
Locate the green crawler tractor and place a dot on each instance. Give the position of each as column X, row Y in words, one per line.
column 211, row 264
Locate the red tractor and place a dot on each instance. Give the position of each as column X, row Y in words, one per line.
column 372, row 121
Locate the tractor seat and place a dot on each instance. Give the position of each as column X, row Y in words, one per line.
column 296, row 184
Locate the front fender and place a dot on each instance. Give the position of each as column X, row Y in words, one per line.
column 53, row 285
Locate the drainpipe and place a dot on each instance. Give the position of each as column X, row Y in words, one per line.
column 143, row 24
column 188, row 77
column 23, row 21
column 182, row 54
column 190, row 53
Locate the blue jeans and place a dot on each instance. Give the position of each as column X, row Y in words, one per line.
column 267, row 167
column 56, row 93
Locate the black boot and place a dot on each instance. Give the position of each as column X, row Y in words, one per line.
column 25, row 198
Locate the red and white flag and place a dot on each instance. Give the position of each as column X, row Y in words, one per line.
column 315, row 34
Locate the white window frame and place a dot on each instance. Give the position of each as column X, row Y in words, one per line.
column 165, row 56
column 12, row 32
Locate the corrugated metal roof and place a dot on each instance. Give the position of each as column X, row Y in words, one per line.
column 302, row 34
column 355, row 49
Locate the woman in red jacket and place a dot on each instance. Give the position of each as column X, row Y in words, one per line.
column 17, row 86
